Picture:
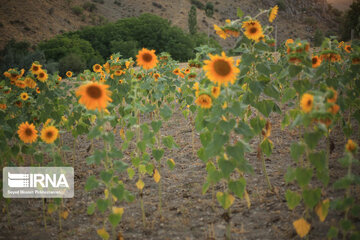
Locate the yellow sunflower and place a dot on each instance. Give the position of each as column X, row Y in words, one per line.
column 69, row 74
column 221, row 33
column 333, row 97
column 30, row 83
column 307, row 102
column 27, row 132
column 273, row 13
column 49, row 134
column 334, row 109
column 3, row 106
column 204, row 101
column 94, row 95
column 316, row 61
column 176, row 71
column 215, row 91
column 24, row 96
column 221, row 69
column 253, row 30
column 20, row 84
column 350, row 146
column 146, row 58
column 347, row 48
column 97, row 68
column 156, row 76
column 35, row 68
column 37, row 90
column 42, row 76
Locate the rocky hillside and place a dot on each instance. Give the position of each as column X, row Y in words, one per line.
column 38, row 20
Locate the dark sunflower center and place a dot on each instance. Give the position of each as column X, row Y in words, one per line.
column 147, row 57
column 97, row 67
column 253, row 30
column 94, row 92
column 35, row 68
column 41, row 75
column 28, row 132
column 222, row 67
column 314, row 60
column 309, row 102
column 49, row 134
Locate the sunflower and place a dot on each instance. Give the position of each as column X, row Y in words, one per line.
column 97, row 68
column 273, row 13
column 27, row 132
column 127, row 64
column 347, row 48
column 20, row 84
column 334, row 109
column 333, row 96
column 18, row 103
column 118, row 72
column 315, row 60
column 192, row 75
column 24, row 96
column 221, row 33
column 94, row 95
column 59, row 78
column 253, row 30
column 146, row 58
column 37, row 90
column 35, row 68
column 30, row 83
column 306, row 102
column 204, row 101
column 350, row 146
column 42, row 76
column 289, row 41
column 156, row 76
column 49, row 134
column 221, row 69
column 215, row 91
column 176, row 71
column 69, row 74
column 3, row 106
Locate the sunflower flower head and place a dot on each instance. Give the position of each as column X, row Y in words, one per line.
column 273, row 13
column 97, row 68
column 221, row 69
column 204, row 101
column 253, row 30
column 316, row 61
column 27, row 132
column 307, row 102
column 69, row 74
column 146, row 59
column 49, row 134
column 24, row 96
column 42, row 76
column 35, row 68
column 94, row 95
column 351, row 146
column 215, row 91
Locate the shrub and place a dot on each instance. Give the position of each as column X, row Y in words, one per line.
column 198, row 4
column 192, row 23
column 89, row 6
column 99, row 1
column 71, row 62
column 77, row 10
column 318, row 38
column 125, row 48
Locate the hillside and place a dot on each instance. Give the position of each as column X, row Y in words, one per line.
column 38, row 20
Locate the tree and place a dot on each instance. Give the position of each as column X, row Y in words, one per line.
column 192, row 22
column 351, row 21
column 318, row 38
column 209, row 12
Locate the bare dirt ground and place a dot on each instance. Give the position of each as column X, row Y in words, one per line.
column 187, row 214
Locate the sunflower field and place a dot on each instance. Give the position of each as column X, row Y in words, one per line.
column 259, row 146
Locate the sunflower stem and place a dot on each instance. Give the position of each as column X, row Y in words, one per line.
column 261, row 155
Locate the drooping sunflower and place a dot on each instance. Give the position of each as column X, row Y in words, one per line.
column 146, row 58
column 20, row 84
column 204, row 101
column 273, row 13
column 49, row 134
column 253, row 30
column 97, row 68
column 221, row 69
column 221, row 33
column 59, row 78
column 24, row 96
column 37, row 90
column 35, row 68
column 42, row 76
column 289, row 41
column 27, row 132
column 156, row 76
column 118, row 72
column 334, row 109
column 307, row 102
column 30, row 83
column 350, row 146
column 333, row 96
column 266, row 132
column 347, row 48
column 215, row 91
column 316, row 61
column 69, row 74
column 94, row 95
